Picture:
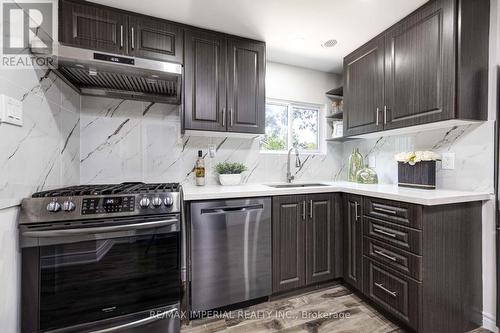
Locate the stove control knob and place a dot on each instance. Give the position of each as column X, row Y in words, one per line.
column 68, row 206
column 144, row 203
column 169, row 201
column 54, row 206
column 156, row 202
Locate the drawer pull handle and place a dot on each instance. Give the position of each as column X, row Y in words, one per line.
column 387, row 211
column 381, row 286
column 380, row 253
column 390, row 234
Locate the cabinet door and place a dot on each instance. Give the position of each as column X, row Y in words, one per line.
column 420, row 60
column 155, row 39
column 364, row 88
column 93, row 27
column 246, row 91
column 320, row 228
column 289, row 219
column 353, row 234
column 204, row 80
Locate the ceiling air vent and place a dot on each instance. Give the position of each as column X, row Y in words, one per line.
column 329, row 43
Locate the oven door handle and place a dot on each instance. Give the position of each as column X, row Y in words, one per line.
column 137, row 323
column 98, row 230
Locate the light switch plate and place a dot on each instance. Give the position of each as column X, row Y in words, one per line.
column 11, row 110
column 212, row 151
column 372, row 161
column 448, row 161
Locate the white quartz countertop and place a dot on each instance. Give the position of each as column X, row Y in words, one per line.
column 391, row 192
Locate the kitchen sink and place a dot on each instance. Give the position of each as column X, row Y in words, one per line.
column 295, row 185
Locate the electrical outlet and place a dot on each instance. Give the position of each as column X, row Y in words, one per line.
column 448, row 161
column 212, row 151
column 11, row 111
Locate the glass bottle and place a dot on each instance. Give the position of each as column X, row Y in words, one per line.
column 367, row 176
column 355, row 164
column 199, row 169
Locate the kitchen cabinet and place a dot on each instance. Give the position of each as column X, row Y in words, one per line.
column 101, row 28
column 246, row 86
column 224, row 83
column 364, row 88
column 304, row 240
column 426, row 68
column 418, row 261
column 353, row 237
column 155, row 39
column 204, row 81
column 289, row 216
column 83, row 24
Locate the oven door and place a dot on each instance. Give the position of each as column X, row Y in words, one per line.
column 93, row 274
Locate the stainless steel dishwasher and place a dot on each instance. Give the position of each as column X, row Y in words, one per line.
column 230, row 252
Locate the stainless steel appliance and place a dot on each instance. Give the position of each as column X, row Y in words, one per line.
column 102, row 258
column 230, row 252
column 104, row 74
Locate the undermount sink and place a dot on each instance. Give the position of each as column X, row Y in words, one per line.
column 296, row 185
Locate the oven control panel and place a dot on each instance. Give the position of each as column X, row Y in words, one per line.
column 103, row 205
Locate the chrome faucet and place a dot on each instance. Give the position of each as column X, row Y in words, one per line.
column 289, row 177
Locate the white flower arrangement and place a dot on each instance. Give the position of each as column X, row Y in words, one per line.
column 414, row 157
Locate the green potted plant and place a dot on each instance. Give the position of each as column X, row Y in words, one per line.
column 230, row 173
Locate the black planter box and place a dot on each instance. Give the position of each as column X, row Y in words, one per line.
column 421, row 175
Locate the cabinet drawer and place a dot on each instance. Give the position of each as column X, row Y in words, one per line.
column 402, row 261
column 393, row 234
column 396, row 293
column 403, row 213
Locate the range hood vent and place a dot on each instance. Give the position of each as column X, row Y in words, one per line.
column 119, row 77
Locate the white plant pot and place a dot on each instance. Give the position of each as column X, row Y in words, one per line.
column 230, row 179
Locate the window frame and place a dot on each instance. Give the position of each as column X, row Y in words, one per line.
column 290, row 105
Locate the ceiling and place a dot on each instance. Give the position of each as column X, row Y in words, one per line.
column 293, row 29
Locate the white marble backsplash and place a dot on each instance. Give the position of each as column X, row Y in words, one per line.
column 44, row 152
column 473, row 146
column 137, row 141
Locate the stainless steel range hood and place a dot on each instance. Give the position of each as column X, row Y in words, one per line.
column 110, row 75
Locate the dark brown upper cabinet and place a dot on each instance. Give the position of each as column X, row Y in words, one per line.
column 364, row 88
column 224, row 83
column 155, row 39
column 433, row 69
column 303, row 240
column 92, row 26
column 246, row 87
column 205, row 81
column 353, row 238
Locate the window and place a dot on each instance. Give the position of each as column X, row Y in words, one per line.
column 290, row 124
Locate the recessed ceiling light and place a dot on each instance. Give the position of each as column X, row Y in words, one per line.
column 329, row 43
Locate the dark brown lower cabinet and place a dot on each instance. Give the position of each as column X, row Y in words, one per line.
column 353, row 237
column 420, row 264
column 304, row 245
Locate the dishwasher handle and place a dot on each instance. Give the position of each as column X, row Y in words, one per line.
column 231, row 209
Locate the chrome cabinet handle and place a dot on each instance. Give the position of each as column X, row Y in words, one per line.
column 224, row 117
column 304, row 210
column 385, row 114
column 310, row 208
column 138, row 323
column 378, row 111
column 231, row 119
column 133, row 43
column 98, row 230
column 380, row 253
column 381, row 286
column 388, row 211
column 356, row 215
column 385, row 233
column 121, row 36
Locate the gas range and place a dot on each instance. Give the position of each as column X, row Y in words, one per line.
column 101, row 201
